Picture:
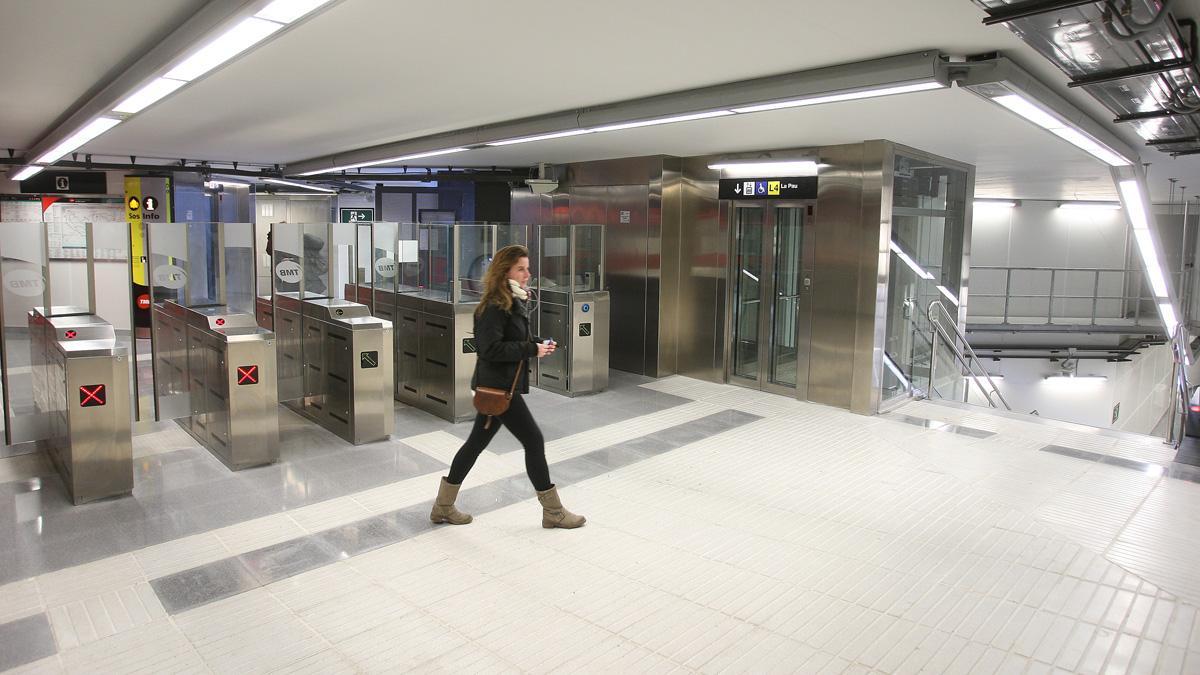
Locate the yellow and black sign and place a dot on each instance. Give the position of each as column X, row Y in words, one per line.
column 147, row 200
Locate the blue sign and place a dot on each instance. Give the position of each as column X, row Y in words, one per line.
column 586, row 307
column 760, row 188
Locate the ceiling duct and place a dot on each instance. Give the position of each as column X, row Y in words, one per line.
column 1133, row 56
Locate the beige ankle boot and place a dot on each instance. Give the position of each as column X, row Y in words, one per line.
column 443, row 506
column 553, row 513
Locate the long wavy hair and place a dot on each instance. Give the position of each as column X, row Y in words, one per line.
column 495, row 281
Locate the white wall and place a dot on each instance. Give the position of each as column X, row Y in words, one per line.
column 1039, row 234
column 1141, row 387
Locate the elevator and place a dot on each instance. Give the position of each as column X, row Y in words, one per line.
column 770, row 285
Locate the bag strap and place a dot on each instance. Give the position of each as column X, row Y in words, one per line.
column 516, row 377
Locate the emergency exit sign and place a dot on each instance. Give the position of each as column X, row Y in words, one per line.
column 357, row 215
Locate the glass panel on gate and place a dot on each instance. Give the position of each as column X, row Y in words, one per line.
column 589, row 257
column 22, row 266
column 476, row 245
column 748, row 222
column 788, row 240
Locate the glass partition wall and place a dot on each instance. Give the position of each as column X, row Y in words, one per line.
column 926, row 272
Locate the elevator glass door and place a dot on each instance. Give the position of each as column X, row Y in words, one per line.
column 769, row 306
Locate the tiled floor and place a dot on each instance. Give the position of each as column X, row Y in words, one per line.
column 727, row 531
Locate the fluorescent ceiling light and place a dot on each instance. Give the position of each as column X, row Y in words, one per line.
column 234, row 41
column 845, row 96
column 747, row 273
column 543, row 137
column 226, row 181
column 949, row 296
column 1167, row 311
column 1154, row 272
column 664, row 120
column 994, row 204
column 27, row 172
column 1027, row 109
column 910, row 262
column 1132, row 193
column 419, row 155
column 287, row 11
column 1091, row 206
column 280, row 181
column 147, row 95
column 1075, row 378
column 92, row 130
column 298, row 194
column 738, row 169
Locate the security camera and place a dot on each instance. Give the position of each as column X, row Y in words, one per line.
column 541, row 186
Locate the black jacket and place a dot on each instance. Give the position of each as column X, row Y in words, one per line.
column 502, row 340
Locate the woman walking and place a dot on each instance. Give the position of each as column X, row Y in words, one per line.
column 504, row 346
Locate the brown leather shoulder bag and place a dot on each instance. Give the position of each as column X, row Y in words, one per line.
column 494, row 402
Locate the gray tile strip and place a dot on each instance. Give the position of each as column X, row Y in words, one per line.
column 201, row 585
column 941, row 426
column 1184, row 472
column 25, row 641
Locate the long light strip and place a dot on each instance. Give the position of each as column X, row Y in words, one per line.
column 27, row 172
column 287, row 11
column 910, row 262
column 236, row 40
column 949, row 296
column 542, row 137
column 1167, row 311
column 87, row 133
column 780, row 168
column 1027, row 109
column 663, row 120
column 845, row 96
column 993, row 204
column 1090, row 206
column 1137, row 206
column 148, row 95
column 1145, row 243
column 419, row 155
column 280, row 181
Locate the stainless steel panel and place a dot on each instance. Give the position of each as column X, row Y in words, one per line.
column 90, row 445
column 630, row 285
column 849, row 302
column 670, row 195
column 704, row 245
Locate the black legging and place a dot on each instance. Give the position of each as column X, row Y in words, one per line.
column 520, row 422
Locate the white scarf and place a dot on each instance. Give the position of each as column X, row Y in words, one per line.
column 517, row 290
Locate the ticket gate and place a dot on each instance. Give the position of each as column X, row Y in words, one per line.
column 221, row 365
column 578, row 322
column 81, row 386
column 335, row 363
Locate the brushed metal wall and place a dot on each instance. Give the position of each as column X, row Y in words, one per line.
column 703, row 243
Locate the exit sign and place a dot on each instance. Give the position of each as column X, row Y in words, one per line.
column 357, row 215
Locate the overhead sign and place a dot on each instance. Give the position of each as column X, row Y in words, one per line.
column 50, row 181
column 804, row 187
column 357, row 215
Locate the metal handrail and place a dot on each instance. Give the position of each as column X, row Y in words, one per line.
column 966, row 359
column 1128, row 275
column 1179, row 355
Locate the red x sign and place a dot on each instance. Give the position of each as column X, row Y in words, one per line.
column 91, row 395
column 70, row 335
column 220, row 321
column 247, row 374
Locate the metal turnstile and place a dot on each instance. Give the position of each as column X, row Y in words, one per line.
column 335, row 364
column 223, row 365
column 578, row 322
column 435, row 353
column 81, row 386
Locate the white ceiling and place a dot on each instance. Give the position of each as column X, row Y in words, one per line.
column 367, row 72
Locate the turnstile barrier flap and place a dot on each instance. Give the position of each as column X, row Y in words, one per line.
column 331, row 309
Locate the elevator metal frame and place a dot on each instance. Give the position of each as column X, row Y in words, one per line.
column 768, row 290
